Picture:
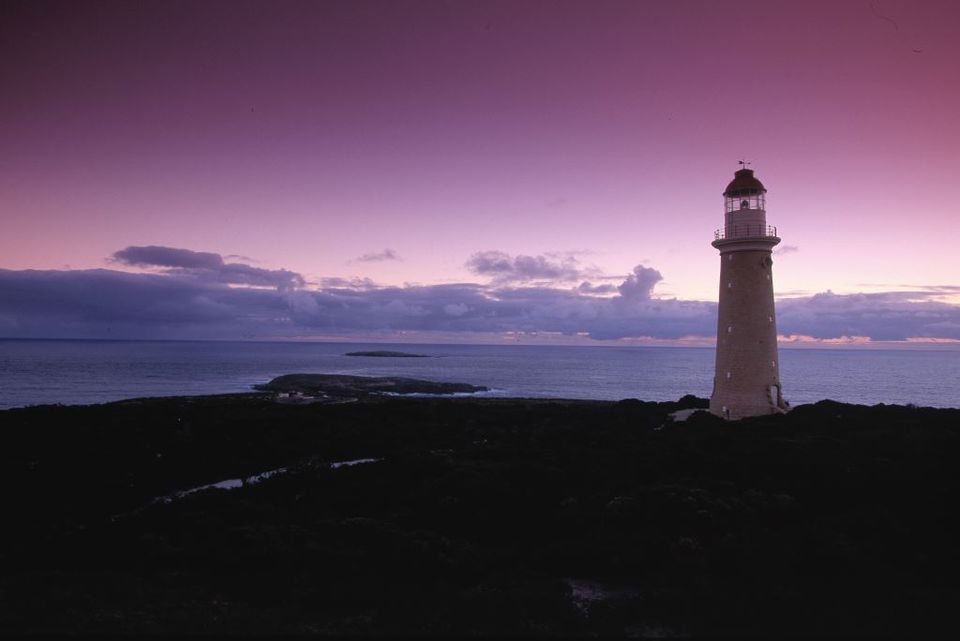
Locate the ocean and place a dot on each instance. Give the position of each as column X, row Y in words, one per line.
column 34, row 372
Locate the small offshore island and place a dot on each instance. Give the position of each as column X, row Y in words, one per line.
column 382, row 353
column 478, row 516
column 322, row 386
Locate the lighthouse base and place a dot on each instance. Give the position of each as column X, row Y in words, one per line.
column 734, row 405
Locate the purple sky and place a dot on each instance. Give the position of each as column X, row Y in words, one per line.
column 472, row 169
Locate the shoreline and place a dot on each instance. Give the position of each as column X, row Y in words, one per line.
column 492, row 395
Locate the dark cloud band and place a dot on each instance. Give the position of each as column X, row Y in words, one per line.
column 207, row 266
column 198, row 295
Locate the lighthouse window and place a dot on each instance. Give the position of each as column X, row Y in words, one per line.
column 770, row 318
column 729, row 329
column 728, row 375
column 744, row 204
column 773, row 363
column 730, row 285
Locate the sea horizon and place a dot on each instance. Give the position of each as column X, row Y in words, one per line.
column 84, row 371
column 785, row 345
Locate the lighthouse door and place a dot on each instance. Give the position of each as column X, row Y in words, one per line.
column 774, row 393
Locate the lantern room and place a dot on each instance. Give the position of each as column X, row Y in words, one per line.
column 744, row 192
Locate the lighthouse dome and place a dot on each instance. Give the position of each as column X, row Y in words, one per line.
column 744, row 183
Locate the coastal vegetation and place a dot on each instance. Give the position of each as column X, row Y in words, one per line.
column 479, row 516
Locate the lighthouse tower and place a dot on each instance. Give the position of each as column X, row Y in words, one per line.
column 747, row 377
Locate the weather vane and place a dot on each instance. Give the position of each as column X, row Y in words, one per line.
column 744, row 163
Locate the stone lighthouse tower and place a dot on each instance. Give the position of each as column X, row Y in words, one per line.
column 747, row 377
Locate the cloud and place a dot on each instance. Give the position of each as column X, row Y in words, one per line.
column 786, row 249
column 104, row 303
column 177, row 304
column 456, row 309
column 240, row 257
column 192, row 296
column 335, row 282
column 158, row 256
column 386, row 254
column 240, row 274
column 206, row 265
column 504, row 268
column 586, row 287
column 894, row 315
column 639, row 285
column 477, row 308
column 933, row 289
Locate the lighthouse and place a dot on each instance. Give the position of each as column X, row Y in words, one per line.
column 746, row 380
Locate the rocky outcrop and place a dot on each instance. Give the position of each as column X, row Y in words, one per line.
column 342, row 385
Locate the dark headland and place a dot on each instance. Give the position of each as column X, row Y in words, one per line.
column 479, row 516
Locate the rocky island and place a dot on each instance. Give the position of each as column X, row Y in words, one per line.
column 318, row 385
column 478, row 516
column 386, row 354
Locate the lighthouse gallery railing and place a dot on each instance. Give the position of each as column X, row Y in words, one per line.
column 745, row 231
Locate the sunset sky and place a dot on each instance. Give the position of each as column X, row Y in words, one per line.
column 472, row 170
